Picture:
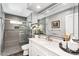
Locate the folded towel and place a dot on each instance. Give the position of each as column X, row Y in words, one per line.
column 73, row 45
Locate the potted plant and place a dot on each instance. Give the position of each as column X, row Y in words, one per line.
column 37, row 31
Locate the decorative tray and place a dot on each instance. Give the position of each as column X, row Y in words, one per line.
column 69, row 50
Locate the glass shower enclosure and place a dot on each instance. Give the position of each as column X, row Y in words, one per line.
column 24, row 33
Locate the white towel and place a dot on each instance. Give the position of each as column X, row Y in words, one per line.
column 73, row 45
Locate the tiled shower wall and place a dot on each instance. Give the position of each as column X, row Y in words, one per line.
column 12, row 37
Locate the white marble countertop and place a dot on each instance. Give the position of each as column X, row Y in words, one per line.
column 52, row 46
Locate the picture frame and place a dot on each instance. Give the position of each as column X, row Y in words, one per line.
column 55, row 24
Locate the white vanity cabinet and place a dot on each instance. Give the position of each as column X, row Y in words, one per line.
column 36, row 49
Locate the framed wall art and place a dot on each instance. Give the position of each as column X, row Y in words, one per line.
column 55, row 24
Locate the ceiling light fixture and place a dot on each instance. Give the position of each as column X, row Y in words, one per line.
column 64, row 3
column 38, row 6
column 15, row 22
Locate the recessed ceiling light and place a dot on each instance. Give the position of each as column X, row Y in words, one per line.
column 47, row 11
column 38, row 6
column 64, row 3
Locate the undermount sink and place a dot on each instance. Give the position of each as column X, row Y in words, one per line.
column 69, row 50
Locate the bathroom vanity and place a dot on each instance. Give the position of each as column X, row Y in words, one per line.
column 42, row 47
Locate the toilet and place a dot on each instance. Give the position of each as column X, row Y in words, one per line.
column 25, row 49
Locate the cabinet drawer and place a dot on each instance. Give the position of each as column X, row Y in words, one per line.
column 44, row 51
column 38, row 50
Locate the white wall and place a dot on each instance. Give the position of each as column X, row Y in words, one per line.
column 66, row 23
column 0, row 36
column 60, row 12
column 52, row 31
column 76, row 30
column 32, row 18
column 1, row 28
column 72, row 25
